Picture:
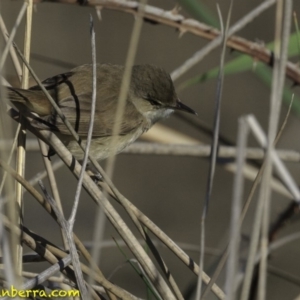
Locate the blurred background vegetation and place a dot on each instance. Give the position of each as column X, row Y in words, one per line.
column 168, row 189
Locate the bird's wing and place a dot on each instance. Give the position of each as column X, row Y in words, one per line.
column 53, row 82
column 77, row 109
column 72, row 92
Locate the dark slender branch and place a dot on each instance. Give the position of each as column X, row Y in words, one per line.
column 159, row 16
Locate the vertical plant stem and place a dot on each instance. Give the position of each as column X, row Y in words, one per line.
column 91, row 126
column 282, row 33
column 22, row 135
column 11, row 49
column 215, row 143
column 15, row 248
column 12, row 34
column 6, row 241
column 234, row 243
column 100, row 219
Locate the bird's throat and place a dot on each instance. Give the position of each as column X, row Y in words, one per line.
column 155, row 115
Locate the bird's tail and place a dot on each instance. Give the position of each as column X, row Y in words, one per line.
column 29, row 100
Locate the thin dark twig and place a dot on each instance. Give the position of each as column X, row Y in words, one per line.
column 158, row 15
column 284, row 217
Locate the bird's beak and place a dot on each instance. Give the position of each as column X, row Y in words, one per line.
column 183, row 107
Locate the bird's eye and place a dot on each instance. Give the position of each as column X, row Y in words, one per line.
column 152, row 101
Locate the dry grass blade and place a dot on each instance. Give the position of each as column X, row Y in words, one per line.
column 42, row 146
column 173, row 246
column 45, row 275
column 265, row 193
column 205, row 150
column 21, row 152
column 100, row 219
column 43, row 174
column 282, row 33
column 67, row 230
column 176, row 178
column 110, row 165
column 187, row 260
column 10, row 157
column 282, row 171
column 91, row 125
column 126, row 82
column 157, row 15
column 198, row 56
column 99, row 276
column 14, row 215
column 55, row 279
column 235, row 228
column 149, row 263
column 215, row 143
column 28, row 239
column 12, row 50
column 201, row 150
column 49, row 252
column 275, row 246
column 160, row 133
column 112, row 215
column 5, row 245
column 12, row 35
column 243, row 214
column 49, row 172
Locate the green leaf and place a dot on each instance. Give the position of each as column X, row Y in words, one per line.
column 245, row 63
column 265, row 74
column 241, row 64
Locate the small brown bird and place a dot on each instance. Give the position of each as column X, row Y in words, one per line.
column 151, row 97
